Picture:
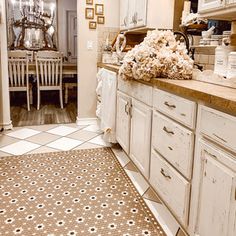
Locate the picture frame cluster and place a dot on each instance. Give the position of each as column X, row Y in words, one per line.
column 92, row 12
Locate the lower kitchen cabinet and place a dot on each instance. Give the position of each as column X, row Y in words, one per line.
column 215, row 192
column 123, row 121
column 140, row 138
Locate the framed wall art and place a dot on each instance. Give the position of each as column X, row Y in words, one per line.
column 89, row 2
column 101, row 20
column 89, row 13
column 92, row 24
column 99, row 9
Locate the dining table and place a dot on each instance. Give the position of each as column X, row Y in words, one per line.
column 67, row 68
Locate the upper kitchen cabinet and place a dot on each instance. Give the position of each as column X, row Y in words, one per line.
column 148, row 13
column 124, row 14
column 218, row 9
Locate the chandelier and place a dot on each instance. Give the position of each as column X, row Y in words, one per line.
column 36, row 24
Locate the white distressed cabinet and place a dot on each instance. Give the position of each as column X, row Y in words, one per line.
column 134, row 122
column 137, row 13
column 124, row 14
column 147, row 13
column 218, row 9
column 215, row 173
column 206, row 5
column 123, row 121
column 140, row 138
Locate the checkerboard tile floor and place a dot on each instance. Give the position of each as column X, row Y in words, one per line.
column 65, row 137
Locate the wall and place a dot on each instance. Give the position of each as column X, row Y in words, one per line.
column 5, row 120
column 63, row 6
column 87, row 59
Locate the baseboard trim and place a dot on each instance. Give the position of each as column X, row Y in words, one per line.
column 86, row 121
column 8, row 126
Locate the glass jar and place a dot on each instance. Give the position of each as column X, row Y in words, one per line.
column 231, row 72
column 221, row 59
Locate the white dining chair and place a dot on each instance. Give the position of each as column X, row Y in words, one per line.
column 18, row 67
column 49, row 73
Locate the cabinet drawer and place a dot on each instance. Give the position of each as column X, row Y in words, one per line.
column 219, row 126
column 141, row 92
column 171, row 187
column 174, row 142
column 182, row 110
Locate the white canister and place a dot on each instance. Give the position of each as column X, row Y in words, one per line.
column 231, row 72
column 221, row 59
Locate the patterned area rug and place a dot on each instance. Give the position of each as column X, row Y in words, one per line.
column 84, row 192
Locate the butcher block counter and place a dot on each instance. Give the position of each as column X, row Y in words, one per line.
column 216, row 96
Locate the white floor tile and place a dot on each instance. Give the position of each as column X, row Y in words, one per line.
column 121, row 156
column 64, row 144
column 139, row 182
column 4, row 154
column 19, row 148
column 23, row 133
column 166, row 220
column 99, row 141
column 87, row 146
column 93, row 128
column 7, row 140
column 86, row 122
column 43, row 149
column 62, row 130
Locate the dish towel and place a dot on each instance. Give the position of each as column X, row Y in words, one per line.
column 108, row 105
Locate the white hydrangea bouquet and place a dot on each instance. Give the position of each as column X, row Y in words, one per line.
column 158, row 56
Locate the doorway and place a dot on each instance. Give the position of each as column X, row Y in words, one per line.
column 50, row 111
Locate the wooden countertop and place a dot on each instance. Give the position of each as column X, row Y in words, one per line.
column 216, row 96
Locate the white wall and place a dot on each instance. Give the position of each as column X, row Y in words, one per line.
column 87, row 59
column 5, row 120
column 63, row 6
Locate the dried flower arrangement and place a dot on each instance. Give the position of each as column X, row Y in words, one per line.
column 158, row 56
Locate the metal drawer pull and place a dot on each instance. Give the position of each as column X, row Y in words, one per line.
column 170, row 148
column 127, row 108
column 168, row 131
column 164, row 174
column 169, row 105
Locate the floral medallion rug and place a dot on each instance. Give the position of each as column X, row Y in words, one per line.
column 82, row 192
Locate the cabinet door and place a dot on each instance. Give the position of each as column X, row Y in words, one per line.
column 138, row 13
column 141, row 117
column 217, row 204
column 123, row 121
column 124, row 14
column 230, row 2
column 132, row 10
column 209, row 5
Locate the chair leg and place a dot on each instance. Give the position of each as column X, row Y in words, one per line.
column 38, row 99
column 28, row 100
column 61, row 98
column 31, row 95
column 66, row 93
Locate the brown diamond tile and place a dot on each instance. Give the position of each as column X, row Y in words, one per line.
column 131, row 166
column 43, row 138
column 6, row 140
column 151, row 195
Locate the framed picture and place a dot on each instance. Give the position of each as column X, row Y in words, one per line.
column 89, row 2
column 92, row 24
column 89, row 13
column 99, row 9
column 101, row 20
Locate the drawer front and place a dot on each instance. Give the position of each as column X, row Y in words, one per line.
column 219, row 126
column 171, row 187
column 174, row 142
column 180, row 109
column 141, row 92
